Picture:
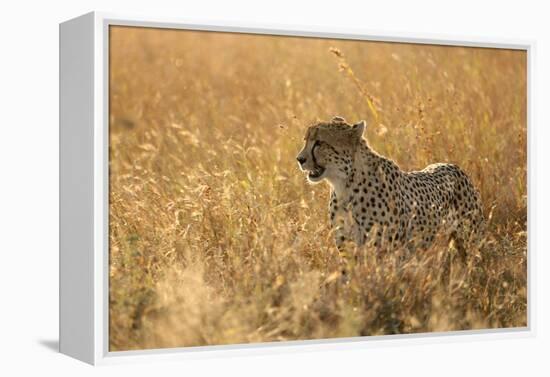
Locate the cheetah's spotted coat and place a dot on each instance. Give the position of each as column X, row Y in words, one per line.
column 373, row 200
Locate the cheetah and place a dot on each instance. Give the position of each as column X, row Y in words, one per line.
column 373, row 201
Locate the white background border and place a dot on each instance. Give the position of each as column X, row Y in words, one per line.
column 29, row 193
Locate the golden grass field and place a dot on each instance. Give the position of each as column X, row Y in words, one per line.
column 217, row 238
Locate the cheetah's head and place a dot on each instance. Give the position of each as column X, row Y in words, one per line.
column 329, row 148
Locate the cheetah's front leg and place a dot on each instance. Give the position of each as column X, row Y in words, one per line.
column 337, row 221
column 338, row 224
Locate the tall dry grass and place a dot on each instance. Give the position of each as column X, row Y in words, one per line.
column 215, row 236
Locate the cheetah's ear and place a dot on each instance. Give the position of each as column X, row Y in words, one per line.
column 338, row 119
column 359, row 128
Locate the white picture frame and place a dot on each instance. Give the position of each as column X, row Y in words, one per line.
column 84, row 191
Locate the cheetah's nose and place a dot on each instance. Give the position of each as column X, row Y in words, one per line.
column 301, row 160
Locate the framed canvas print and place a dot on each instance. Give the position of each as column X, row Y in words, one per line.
column 252, row 188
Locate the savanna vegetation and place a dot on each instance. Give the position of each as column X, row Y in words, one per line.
column 217, row 238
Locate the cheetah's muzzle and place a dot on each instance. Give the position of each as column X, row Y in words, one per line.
column 317, row 172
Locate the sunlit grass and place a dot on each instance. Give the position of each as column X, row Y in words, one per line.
column 215, row 236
